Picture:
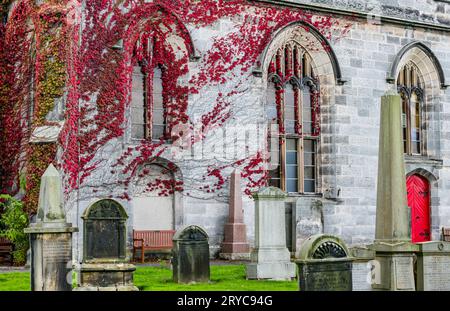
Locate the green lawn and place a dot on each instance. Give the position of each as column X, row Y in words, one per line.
column 15, row 281
column 229, row 277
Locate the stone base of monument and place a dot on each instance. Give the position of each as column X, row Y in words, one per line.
column 278, row 271
column 433, row 262
column 106, row 277
column 271, row 263
column 235, row 251
column 362, row 268
column 51, row 252
column 235, row 256
column 395, row 266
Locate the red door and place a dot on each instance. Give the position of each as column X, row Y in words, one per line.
column 418, row 190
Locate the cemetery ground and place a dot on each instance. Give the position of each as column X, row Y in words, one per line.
column 159, row 278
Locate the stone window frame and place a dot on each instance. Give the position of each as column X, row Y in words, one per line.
column 409, row 83
column 434, row 83
column 148, row 65
column 292, row 66
column 329, row 75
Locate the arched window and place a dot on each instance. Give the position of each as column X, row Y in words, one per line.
column 411, row 91
column 293, row 105
column 148, row 115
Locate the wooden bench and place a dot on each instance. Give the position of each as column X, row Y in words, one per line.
column 151, row 240
column 6, row 249
column 446, row 234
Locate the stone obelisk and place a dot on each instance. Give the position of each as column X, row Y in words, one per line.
column 235, row 245
column 393, row 248
column 51, row 238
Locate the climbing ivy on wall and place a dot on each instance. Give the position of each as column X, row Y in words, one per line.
column 33, row 46
column 95, row 76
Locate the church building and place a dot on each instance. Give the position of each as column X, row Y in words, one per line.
column 154, row 103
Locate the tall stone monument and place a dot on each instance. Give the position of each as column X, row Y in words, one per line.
column 51, row 238
column 270, row 258
column 235, row 245
column 393, row 248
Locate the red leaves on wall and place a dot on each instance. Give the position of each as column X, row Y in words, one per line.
column 98, row 81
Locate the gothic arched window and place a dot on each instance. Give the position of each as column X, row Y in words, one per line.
column 411, row 91
column 148, row 115
column 293, row 107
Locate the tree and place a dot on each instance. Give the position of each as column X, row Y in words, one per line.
column 12, row 222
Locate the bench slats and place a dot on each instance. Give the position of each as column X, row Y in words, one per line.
column 6, row 247
column 151, row 240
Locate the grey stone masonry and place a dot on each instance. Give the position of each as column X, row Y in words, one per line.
column 426, row 11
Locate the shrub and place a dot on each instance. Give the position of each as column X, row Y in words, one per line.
column 12, row 222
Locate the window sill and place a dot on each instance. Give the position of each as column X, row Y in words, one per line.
column 420, row 159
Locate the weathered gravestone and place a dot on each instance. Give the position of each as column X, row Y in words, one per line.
column 270, row 258
column 190, row 255
column 105, row 264
column 324, row 265
column 433, row 266
column 393, row 248
column 51, row 238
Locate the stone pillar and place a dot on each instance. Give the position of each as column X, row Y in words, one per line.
column 270, row 258
column 393, row 248
column 51, row 238
column 235, row 244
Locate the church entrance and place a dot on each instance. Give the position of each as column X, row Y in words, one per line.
column 418, row 190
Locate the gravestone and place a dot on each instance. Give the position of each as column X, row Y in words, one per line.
column 235, row 245
column 393, row 248
column 105, row 264
column 324, row 265
column 51, row 238
column 190, row 255
column 433, row 266
column 270, row 258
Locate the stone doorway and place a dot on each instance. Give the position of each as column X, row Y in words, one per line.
column 418, row 191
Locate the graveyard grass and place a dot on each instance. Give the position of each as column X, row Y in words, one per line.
column 159, row 278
